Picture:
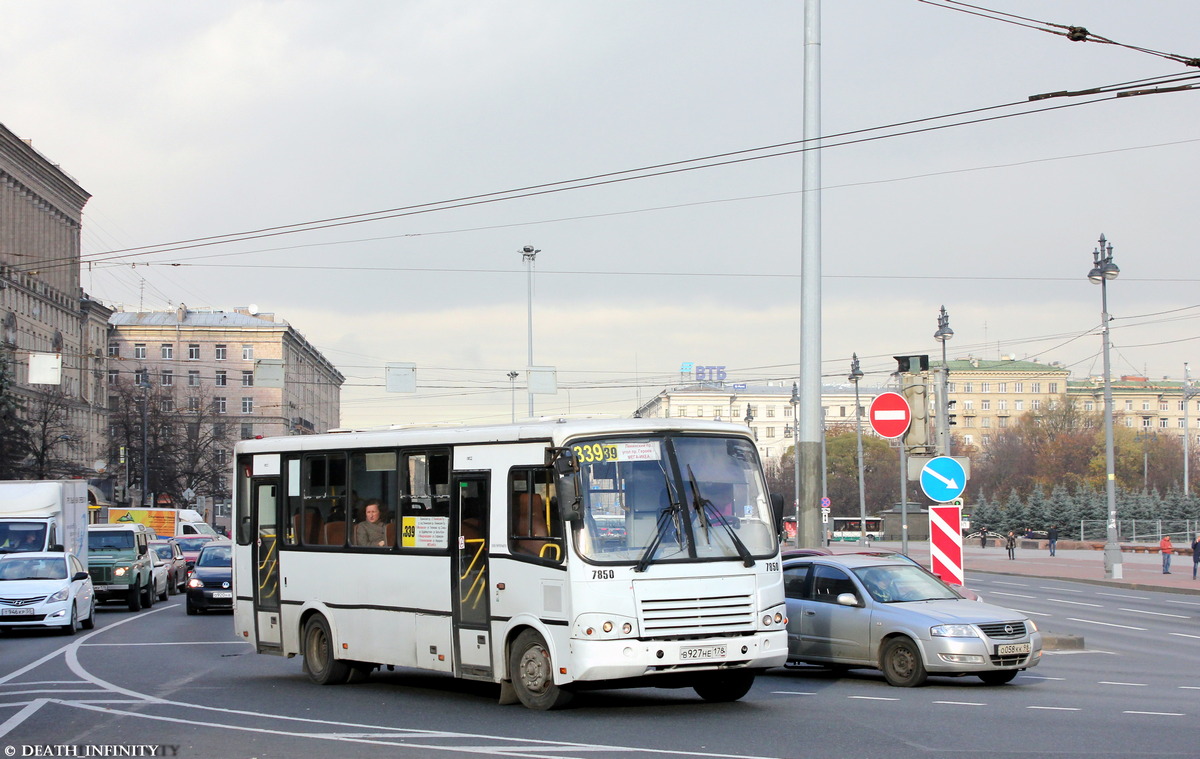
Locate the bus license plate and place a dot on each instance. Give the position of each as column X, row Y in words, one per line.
column 16, row 612
column 1010, row 649
column 702, row 652
column 222, row 594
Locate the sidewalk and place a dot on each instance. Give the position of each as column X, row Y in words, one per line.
column 1139, row 570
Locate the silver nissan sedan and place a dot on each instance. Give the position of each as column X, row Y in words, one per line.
column 866, row 611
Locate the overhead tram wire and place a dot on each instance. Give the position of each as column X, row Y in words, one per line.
column 1072, row 33
column 586, row 182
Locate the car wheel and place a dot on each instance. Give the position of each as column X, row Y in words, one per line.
column 192, row 610
column 90, row 622
column 727, row 686
column 72, row 627
column 322, row 667
column 163, row 595
column 135, row 598
column 901, row 663
column 148, row 593
column 532, row 673
column 172, row 585
column 998, row 677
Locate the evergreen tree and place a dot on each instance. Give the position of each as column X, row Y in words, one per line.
column 1014, row 513
column 1039, row 509
column 1060, row 511
column 984, row 514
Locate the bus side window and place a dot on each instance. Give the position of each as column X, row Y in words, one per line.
column 535, row 527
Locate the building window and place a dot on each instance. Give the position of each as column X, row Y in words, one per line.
column 247, row 352
column 1002, row 422
column 985, row 422
column 219, row 352
column 1164, row 422
column 968, row 387
column 114, row 350
column 985, row 405
column 139, row 350
column 1129, row 421
column 114, row 402
column 787, row 412
column 1036, row 404
column 219, row 404
column 1145, row 405
column 114, row 376
column 247, row 405
column 141, row 377
column 986, row 439
column 950, row 387
column 193, row 378
column 247, row 431
column 194, row 352
column 1089, row 406
column 168, row 378
column 1182, row 426
column 1035, row 387
column 1018, row 387
column 247, row 379
column 968, row 439
column 1002, row 387
column 1004, row 405
column 770, row 412
column 221, row 379
column 1129, row 405
column 1163, row 406
column 1183, row 405
column 1147, row 422
column 193, row 404
column 167, row 404
column 1053, row 388
column 1019, row 405
column 969, row 405
column 221, row 456
column 985, row 387
column 770, row 433
column 168, row 350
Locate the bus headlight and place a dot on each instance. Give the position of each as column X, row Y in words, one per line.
column 603, row 627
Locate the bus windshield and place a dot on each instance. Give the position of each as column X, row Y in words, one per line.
column 672, row 498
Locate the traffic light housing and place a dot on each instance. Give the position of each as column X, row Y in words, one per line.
column 914, row 386
column 950, row 417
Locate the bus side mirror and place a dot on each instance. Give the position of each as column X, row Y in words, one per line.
column 566, row 469
column 777, row 511
column 245, row 532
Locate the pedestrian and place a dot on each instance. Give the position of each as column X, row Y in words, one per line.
column 983, row 537
column 1052, row 536
column 1195, row 555
column 1167, row 549
column 1010, row 542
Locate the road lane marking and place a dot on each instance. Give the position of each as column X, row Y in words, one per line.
column 792, row 693
column 1055, row 708
column 1156, row 613
column 1034, row 613
column 1106, row 624
column 1123, row 595
column 1042, row 677
column 1189, row 687
column 1157, row 714
column 1185, row 635
column 960, row 703
column 1013, row 595
column 171, row 643
column 1185, row 603
column 21, row 716
column 1015, row 584
column 1059, row 590
column 873, row 698
column 1131, row 685
column 1075, row 603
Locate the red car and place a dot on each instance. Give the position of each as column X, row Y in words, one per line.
column 191, row 546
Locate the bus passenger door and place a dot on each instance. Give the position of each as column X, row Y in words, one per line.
column 264, row 513
column 472, row 647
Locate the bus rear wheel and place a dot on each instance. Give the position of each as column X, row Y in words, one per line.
column 532, row 673
column 319, row 661
column 727, row 686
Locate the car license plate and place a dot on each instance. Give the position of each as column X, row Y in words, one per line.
column 1011, row 649
column 702, row 652
column 222, row 594
column 16, row 612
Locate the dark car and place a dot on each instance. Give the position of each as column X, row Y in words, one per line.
column 210, row 586
column 169, row 551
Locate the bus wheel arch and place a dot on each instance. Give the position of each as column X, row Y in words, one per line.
column 320, row 652
column 531, row 672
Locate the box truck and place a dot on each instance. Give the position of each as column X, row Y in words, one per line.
column 44, row 515
column 166, row 523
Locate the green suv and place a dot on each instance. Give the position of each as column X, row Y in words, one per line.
column 120, row 564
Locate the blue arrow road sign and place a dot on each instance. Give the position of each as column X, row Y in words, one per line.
column 943, row 479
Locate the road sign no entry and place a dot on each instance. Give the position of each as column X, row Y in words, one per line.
column 889, row 415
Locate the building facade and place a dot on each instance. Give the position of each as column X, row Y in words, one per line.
column 988, row 396
column 1150, row 407
column 44, row 312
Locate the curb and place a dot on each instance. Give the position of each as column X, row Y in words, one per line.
column 1058, row 642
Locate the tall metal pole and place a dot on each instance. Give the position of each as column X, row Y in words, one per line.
column 512, row 392
column 528, row 255
column 943, row 334
column 1187, row 489
column 1103, row 269
column 808, row 523
column 145, row 453
column 856, row 375
column 796, row 454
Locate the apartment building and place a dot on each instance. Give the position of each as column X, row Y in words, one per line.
column 1154, row 407
column 990, row 395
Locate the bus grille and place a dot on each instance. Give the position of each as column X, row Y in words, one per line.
column 705, row 615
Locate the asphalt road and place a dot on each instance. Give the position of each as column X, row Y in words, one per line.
column 185, row 687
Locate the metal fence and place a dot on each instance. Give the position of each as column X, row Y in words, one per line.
column 1182, row 531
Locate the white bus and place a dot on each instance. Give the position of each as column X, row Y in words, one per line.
column 850, row 528
column 548, row 557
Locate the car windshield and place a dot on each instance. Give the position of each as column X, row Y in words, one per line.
column 33, row 569
column 903, row 583
column 164, row 552
column 110, row 541
column 215, row 556
column 21, row 536
column 191, row 544
column 671, row 498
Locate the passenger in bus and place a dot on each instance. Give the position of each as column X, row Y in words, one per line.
column 371, row 532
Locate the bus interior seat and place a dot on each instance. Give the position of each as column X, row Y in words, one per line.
column 390, row 529
column 335, row 533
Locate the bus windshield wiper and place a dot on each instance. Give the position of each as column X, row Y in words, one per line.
column 671, row 513
column 703, row 506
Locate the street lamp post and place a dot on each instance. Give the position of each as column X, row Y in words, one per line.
column 749, row 419
column 512, row 391
column 1187, row 394
column 1103, row 269
column 796, row 453
column 528, row 255
column 856, row 375
column 943, row 334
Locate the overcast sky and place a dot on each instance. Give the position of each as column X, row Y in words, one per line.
column 190, row 120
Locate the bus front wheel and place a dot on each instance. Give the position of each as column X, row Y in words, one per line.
column 727, row 686
column 322, row 667
column 532, row 673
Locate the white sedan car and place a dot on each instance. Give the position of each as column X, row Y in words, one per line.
column 45, row 589
column 161, row 572
column 866, row 611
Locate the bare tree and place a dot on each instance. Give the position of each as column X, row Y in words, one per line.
column 51, row 436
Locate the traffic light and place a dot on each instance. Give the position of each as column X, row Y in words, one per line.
column 950, row 417
column 914, row 375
